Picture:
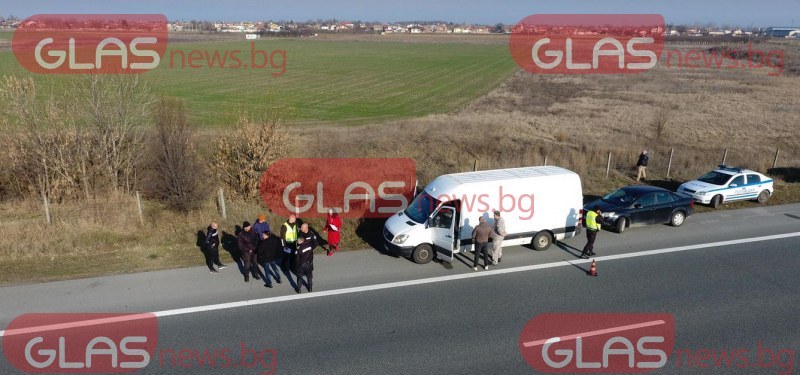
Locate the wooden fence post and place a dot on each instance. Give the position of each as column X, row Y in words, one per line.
column 139, row 206
column 775, row 161
column 475, row 166
column 545, row 160
column 222, row 204
column 725, row 156
column 47, row 208
column 669, row 164
column 608, row 165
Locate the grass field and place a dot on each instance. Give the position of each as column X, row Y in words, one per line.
column 326, row 81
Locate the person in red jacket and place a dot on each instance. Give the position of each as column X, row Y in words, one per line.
column 333, row 226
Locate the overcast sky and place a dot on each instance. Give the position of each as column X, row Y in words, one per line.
column 730, row 12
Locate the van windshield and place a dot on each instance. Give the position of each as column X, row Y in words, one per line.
column 421, row 207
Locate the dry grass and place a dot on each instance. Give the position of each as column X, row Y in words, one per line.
column 574, row 121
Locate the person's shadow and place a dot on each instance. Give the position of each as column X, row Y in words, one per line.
column 201, row 241
column 288, row 271
column 229, row 244
column 568, row 249
column 371, row 232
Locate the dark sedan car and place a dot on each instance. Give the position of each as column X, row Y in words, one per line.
column 641, row 205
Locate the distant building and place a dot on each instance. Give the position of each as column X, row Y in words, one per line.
column 780, row 32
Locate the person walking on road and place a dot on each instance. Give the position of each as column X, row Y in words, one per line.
column 641, row 166
column 333, row 226
column 594, row 221
column 480, row 237
column 498, row 234
column 289, row 240
column 247, row 241
column 268, row 249
column 305, row 264
column 211, row 248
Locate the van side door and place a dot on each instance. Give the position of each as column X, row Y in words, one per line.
column 442, row 225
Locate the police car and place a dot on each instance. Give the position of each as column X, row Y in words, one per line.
column 728, row 184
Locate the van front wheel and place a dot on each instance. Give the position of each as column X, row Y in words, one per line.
column 422, row 254
column 542, row 241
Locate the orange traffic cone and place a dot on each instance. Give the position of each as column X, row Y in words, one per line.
column 593, row 269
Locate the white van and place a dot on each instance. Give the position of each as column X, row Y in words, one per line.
column 539, row 205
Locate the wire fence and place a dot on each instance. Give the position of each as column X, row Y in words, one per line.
column 664, row 164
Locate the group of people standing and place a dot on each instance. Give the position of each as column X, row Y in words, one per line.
column 480, row 237
column 290, row 251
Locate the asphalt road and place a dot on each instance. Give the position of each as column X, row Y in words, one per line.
column 741, row 296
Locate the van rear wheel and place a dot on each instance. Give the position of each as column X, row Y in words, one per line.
column 542, row 241
column 422, row 254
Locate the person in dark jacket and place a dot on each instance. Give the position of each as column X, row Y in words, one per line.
column 305, row 263
column 309, row 235
column 247, row 241
column 268, row 249
column 211, row 248
column 641, row 166
column 480, row 237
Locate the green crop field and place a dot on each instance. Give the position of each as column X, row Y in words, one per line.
column 348, row 82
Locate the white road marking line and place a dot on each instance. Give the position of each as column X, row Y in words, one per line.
column 399, row 284
column 78, row 324
column 597, row 332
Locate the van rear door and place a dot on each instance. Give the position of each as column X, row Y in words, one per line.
column 442, row 223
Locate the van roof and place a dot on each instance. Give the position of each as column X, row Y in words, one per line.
column 507, row 174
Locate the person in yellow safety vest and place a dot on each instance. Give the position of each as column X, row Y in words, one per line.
column 289, row 238
column 594, row 221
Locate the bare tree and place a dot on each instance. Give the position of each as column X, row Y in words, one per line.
column 117, row 110
column 173, row 171
column 40, row 147
column 243, row 155
column 660, row 122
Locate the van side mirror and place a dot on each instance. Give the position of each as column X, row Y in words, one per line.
column 637, row 205
column 733, row 185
